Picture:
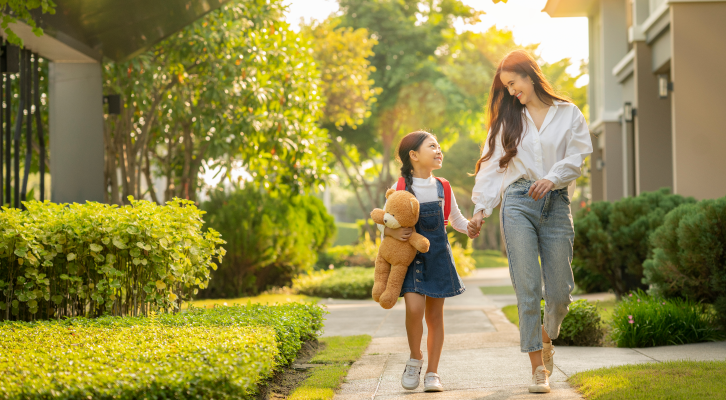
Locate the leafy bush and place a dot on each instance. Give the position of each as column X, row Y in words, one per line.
column 612, row 239
column 272, row 238
column 581, row 326
column 587, row 280
column 216, row 353
column 463, row 260
column 341, row 283
column 362, row 254
column 640, row 320
column 60, row 260
column 689, row 254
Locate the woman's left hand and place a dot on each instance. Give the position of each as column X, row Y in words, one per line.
column 540, row 188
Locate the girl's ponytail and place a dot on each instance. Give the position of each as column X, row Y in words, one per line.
column 412, row 141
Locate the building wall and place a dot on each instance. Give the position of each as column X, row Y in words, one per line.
column 611, row 143
column 653, row 148
column 698, row 34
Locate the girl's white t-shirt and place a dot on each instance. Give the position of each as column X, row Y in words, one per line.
column 426, row 191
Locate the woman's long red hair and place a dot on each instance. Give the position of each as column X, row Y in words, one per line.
column 506, row 113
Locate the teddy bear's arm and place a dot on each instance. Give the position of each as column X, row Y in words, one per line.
column 377, row 216
column 419, row 242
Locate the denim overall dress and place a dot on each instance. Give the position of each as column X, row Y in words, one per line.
column 433, row 273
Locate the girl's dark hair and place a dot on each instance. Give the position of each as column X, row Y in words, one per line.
column 412, row 141
column 506, row 112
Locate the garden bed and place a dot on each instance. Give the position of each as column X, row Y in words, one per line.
column 223, row 352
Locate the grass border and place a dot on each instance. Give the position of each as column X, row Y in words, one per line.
column 335, row 361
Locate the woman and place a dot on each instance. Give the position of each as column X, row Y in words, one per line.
column 537, row 143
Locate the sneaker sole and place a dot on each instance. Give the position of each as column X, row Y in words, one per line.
column 539, row 389
column 433, row 389
column 410, row 387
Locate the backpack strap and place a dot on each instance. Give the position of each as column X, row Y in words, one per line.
column 447, row 199
column 401, row 185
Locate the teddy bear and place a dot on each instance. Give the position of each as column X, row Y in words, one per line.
column 395, row 256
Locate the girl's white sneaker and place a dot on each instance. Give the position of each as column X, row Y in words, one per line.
column 412, row 374
column 548, row 357
column 432, row 383
column 540, row 381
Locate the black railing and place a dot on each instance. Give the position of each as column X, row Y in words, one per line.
column 24, row 66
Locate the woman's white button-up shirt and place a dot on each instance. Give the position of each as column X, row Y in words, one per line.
column 554, row 152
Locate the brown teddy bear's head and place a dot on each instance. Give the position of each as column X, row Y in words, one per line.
column 401, row 209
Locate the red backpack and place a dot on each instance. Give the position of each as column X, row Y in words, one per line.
column 447, row 195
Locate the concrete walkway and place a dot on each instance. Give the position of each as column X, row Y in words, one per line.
column 481, row 357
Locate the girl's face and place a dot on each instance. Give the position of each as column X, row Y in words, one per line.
column 428, row 156
column 518, row 86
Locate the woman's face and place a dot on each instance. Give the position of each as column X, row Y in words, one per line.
column 429, row 155
column 518, row 86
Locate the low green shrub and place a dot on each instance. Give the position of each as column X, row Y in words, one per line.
column 223, row 353
column 271, row 239
column 61, row 260
column 341, row 283
column 689, row 255
column 581, row 326
column 612, row 239
column 362, row 254
column 640, row 320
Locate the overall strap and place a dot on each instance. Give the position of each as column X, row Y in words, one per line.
column 447, row 199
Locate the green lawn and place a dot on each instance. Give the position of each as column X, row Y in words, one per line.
column 338, row 354
column 497, row 289
column 512, row 314
column 489, row 259
column 347, row 233
column 654, row 381
column 261, row 299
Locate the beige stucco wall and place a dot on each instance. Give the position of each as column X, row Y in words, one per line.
column 653, row 147
column 698, row 68
column 597, row 180
column 611, row 139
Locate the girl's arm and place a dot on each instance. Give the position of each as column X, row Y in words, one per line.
column 458, row 220
column 579, row 146
column 489, row 179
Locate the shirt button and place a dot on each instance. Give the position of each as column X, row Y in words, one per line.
column 418, row 280
column 418, row 262
column 418, row 272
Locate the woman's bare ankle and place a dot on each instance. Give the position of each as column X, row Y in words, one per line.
column 417, row 357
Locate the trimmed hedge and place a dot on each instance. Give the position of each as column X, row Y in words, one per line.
column 221, row 353
column 341, row 283
column 272, row 238
column 689, row 255
column 61, row 260
column 612, row 239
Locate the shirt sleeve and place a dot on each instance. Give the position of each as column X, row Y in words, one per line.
column 489, row 179
column 382, row 228
column 579, row 147
column 457, row 219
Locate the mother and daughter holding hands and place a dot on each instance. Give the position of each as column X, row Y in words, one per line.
column 537, row 143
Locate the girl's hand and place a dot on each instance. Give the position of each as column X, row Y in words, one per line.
column 540, row 188
column 474, row 226
column 401, row 234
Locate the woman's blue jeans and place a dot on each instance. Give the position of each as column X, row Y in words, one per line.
column 538, row 228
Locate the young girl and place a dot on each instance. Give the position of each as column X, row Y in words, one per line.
column 537, row 143
column 432, row 276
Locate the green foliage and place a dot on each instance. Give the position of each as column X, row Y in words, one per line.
column 463, row 260
column 587, row 280
column 235, row 88
column 272, row 238
column 362, row 254
column 340, row 283
column 689, row 254
column 218, row 353
column 14, row 10
column 640, row 320
column 612, row 239
column 60, row 260
column 581, row 326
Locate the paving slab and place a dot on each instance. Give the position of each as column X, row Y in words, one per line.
column 709, row 351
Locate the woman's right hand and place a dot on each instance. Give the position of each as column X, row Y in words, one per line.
column 401, row 234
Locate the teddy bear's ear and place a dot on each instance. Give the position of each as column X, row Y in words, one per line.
column 414, row 206
column 389, row 192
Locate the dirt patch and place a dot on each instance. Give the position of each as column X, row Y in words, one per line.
column 285, row 381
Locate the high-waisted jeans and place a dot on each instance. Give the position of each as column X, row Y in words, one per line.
column 538, row 228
